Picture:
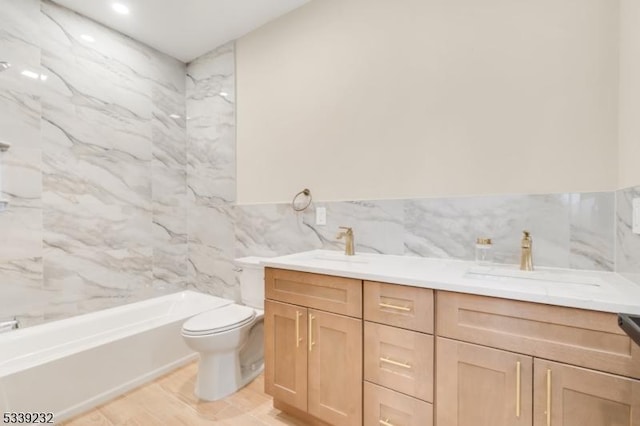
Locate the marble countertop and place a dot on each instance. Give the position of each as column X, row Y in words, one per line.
column 600, row 291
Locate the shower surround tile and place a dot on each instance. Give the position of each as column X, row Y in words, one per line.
column 211, row 251
column 109, row 161
column 210, row 108
column 211, row 127
column 20, row 31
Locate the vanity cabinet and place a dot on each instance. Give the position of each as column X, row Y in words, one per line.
column 313, row 346
column 340, row 351
column 502, row 362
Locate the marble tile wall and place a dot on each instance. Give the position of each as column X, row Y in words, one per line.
column 20, row 110
column 569, row 230
column 627, row 243
column 96, row 175
column 211, row 172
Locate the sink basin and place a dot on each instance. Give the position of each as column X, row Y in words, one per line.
column 547, row 276
column 339, row 257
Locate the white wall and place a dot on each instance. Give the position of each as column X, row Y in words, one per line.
column 370, row 99
column 629, row 148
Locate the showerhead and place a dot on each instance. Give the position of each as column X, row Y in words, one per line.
column 4, row 66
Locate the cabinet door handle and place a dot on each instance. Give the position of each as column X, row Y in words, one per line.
column 396, row 307
column 396, row 363
column 385, row 422
column 298, row 339
column 518, row 385
column 548, row 397
column 311, row 342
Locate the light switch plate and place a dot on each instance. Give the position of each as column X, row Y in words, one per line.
column 636, row 215
column 321, row 215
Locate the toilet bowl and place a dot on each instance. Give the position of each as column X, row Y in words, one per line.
column 230, row 338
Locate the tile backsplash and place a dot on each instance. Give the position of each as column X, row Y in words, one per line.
column 122, row 184
column 574, row 230
column 627, row 243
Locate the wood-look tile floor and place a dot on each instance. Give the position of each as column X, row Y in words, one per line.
column 170, row 401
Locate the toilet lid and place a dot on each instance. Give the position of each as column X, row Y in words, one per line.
column 219, row 320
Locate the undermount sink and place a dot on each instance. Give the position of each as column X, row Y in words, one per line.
column 339, row 257
column 548, row 276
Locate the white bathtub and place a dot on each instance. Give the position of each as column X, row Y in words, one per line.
column 68, row 366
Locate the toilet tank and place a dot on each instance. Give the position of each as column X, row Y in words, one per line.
column 251, row 277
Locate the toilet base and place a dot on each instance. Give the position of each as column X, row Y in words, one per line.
column 218, row 376
column 229, row 360
column 217, row 379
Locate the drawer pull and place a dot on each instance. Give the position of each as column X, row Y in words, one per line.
column 518, row 383
column 311, row 342
column 298, row 339
column 396, row 307
column 548, row 397
column 396, row 363
column 385, row 422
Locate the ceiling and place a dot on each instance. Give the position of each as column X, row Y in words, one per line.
column 184, row 29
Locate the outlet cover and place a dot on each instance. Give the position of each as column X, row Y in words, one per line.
column 321, row 215
column 636, row 215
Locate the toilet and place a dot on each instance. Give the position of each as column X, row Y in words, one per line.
column 230, row 339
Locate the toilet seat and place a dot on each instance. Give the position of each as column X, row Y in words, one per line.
column 218, row 320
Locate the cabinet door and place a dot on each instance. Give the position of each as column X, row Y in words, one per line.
column 286, row 353
column 573, row 396
column 479, row 386
column 335, row 368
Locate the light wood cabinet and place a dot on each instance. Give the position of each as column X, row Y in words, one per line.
column 480, row 386
column 335, row 368
column 475, row 384
column 285, row 353
column 324, row 292
column 496, row 362
column 313, row 358
column 572, row 396
column 579, row 337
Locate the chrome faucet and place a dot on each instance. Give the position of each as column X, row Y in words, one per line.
column 526, row 256
column 348, row 237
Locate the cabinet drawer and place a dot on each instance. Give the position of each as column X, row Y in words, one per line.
column 575, row 336
column 386, row 407
column 399, row 359
column 399, row 305
column 324, row 292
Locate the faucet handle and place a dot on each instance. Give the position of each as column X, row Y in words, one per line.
column 348, row 229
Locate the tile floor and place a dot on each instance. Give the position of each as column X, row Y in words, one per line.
column 170, row 401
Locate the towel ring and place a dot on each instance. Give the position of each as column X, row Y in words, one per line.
column 306, row 193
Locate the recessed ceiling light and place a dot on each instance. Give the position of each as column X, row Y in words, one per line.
column 43, row 77
column 120, row 8
column 176, row 116
column 87, row 38
column 224, row 94
column 30, row 74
